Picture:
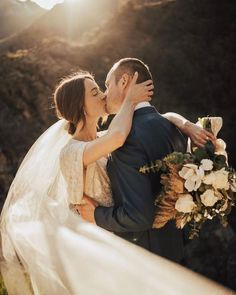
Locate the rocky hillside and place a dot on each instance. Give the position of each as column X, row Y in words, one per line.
column 16, row 16
column 189, row 46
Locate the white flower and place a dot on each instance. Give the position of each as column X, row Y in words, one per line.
column 207, row 165
column 220, row 144
column 193, row 176
column 221, row 179
column 187, row 171
column 221, row 148
column 209, row 178
column 216, row 124
column 218, row 179
column 185, row 203
column 208, row 198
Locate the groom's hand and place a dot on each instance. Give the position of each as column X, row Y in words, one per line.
column 87, row 208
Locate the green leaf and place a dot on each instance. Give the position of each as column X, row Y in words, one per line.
column 219, row 162
column 210, row 148
column 154, row 167
column 200, row 154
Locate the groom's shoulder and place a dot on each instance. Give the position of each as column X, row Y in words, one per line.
column 152, row 121
column 153, row 125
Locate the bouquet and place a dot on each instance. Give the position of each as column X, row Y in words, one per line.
column 197, row 186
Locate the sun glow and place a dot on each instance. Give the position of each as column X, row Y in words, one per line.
column 47, row 4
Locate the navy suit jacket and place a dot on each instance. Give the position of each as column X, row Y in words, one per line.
column 152, row 137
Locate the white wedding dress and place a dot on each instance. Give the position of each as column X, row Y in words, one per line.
column 46, row 249
column 93, row 181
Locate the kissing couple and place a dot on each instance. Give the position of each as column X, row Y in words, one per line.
column 75, row 175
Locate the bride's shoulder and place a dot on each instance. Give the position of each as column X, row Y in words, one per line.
column 72, row 148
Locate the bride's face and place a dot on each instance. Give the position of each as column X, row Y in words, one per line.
column 95, row 99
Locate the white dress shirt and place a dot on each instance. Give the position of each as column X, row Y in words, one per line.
column 142, row 105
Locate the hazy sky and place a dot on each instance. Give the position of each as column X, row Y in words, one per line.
column 47, row 3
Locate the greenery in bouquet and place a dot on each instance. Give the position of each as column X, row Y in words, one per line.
column 196, row 186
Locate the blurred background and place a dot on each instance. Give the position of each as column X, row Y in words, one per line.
column 189, row 46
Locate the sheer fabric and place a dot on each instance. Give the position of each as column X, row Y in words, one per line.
column 47, row 249
column 36, row 188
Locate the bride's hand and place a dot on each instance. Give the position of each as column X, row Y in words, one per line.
column 139, row 92
column 198, row 135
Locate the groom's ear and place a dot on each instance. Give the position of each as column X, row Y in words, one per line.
column 125, row 80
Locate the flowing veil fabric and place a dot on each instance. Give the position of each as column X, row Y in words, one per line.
column 47, row 249
column 35, row 191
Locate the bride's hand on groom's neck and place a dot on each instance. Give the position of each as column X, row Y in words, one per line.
column 139, row 92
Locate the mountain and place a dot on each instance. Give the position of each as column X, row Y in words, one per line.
column 68, row 21
column 16, row 16
column 191, row 50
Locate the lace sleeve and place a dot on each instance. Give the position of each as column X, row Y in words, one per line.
column 71, row 165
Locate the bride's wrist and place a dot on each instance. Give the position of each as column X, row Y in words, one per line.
column 187, row 125
column 129, row 101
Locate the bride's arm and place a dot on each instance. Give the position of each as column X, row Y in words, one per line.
column 198, row 135
column 120, row 125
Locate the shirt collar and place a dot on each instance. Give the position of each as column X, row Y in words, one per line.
column 142, row 105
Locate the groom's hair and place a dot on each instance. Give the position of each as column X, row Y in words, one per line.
column 131, row 65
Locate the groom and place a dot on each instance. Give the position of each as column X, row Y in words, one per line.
column 152, row 137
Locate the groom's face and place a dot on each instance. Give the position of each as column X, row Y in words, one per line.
column 114, row 93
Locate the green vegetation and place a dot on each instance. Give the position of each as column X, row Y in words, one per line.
column 3, row 290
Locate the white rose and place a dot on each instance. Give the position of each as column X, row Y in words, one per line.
column 207, row 165
column 185, row 203
column 208, row 198
column 221, row 179
column 209, row 178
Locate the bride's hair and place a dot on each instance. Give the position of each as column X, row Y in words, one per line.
column 69, row 99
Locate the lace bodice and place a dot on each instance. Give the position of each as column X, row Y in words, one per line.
column 93, row 181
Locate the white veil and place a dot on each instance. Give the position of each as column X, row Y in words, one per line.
column 37, row 189
column 47, row 249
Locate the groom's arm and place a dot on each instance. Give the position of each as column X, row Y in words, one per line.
column 138, row 210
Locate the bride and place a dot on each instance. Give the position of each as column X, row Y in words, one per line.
column 43, row 239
